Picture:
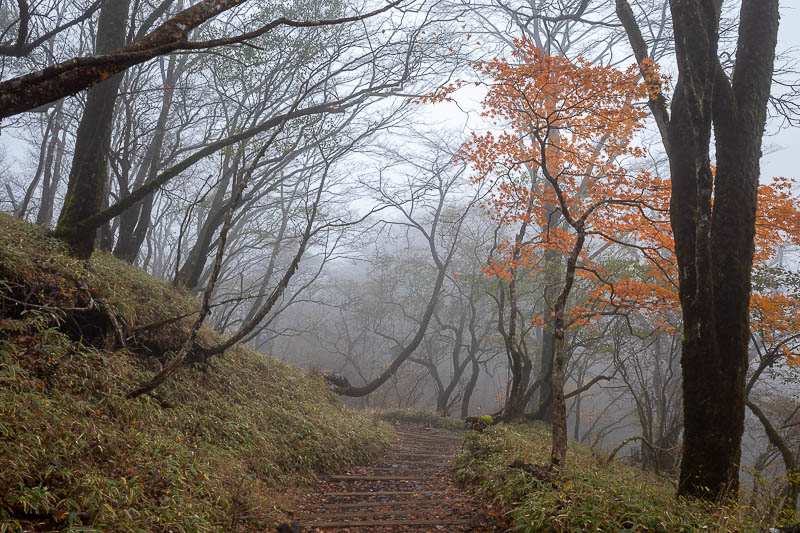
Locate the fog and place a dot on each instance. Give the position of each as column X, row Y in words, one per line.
column 359, row 239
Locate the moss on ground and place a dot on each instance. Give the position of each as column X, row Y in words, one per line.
column 215, row 449
column 589, row 495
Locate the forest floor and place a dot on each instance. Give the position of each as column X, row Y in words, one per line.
column 509, row 464
column 409, row 488
column 218, row 448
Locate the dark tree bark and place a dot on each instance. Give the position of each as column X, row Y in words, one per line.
column 469, row 388
column 89, row 173
column 714, row 248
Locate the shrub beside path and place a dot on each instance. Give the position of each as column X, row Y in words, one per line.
column 409, row 488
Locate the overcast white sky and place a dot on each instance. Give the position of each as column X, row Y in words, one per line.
column 786, row 143
column 781, row 145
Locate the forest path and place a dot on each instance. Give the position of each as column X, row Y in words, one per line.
column 409, row 488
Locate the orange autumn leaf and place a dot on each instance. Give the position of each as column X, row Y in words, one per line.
column 564, row 144
column 576, row 123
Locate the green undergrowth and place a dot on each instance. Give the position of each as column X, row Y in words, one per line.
column 215, row 449
column 419, row 416
column 588, row 495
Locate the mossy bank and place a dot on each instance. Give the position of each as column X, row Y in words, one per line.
column 215, row 449
column 589, row 495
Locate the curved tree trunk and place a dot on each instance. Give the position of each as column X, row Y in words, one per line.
column 789, row 462
column 408, row 350
column 469, row 388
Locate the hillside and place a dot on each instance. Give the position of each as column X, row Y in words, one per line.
column 591, row 494
column 215, row 449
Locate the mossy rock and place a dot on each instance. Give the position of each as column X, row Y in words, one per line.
column 479, row 423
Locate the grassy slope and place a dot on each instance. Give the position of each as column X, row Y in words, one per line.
column 590, row 496
column 213, row 450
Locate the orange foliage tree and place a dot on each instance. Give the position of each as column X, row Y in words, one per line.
column 564, row 153
column 775, row 303
column 561, row 163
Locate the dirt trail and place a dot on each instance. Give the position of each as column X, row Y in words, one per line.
column 407, row 489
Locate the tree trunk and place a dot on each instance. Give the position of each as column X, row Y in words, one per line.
column 552, row 261
column 51, row 179
column 716, row 312
column 89, row 174
column 789, row 462
column 192, row 269
column 104, row 239
column 714, row 249
column 558, row 453
column 44, row 149
column 286, row 207
column 548, row 355
column 407, row 350
column 520, row 364
column 470, row 386
column 443, row 401
column 576, row 428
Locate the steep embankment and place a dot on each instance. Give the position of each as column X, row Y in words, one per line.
column 212, row 450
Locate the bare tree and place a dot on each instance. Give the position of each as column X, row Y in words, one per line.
column 422, row 205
